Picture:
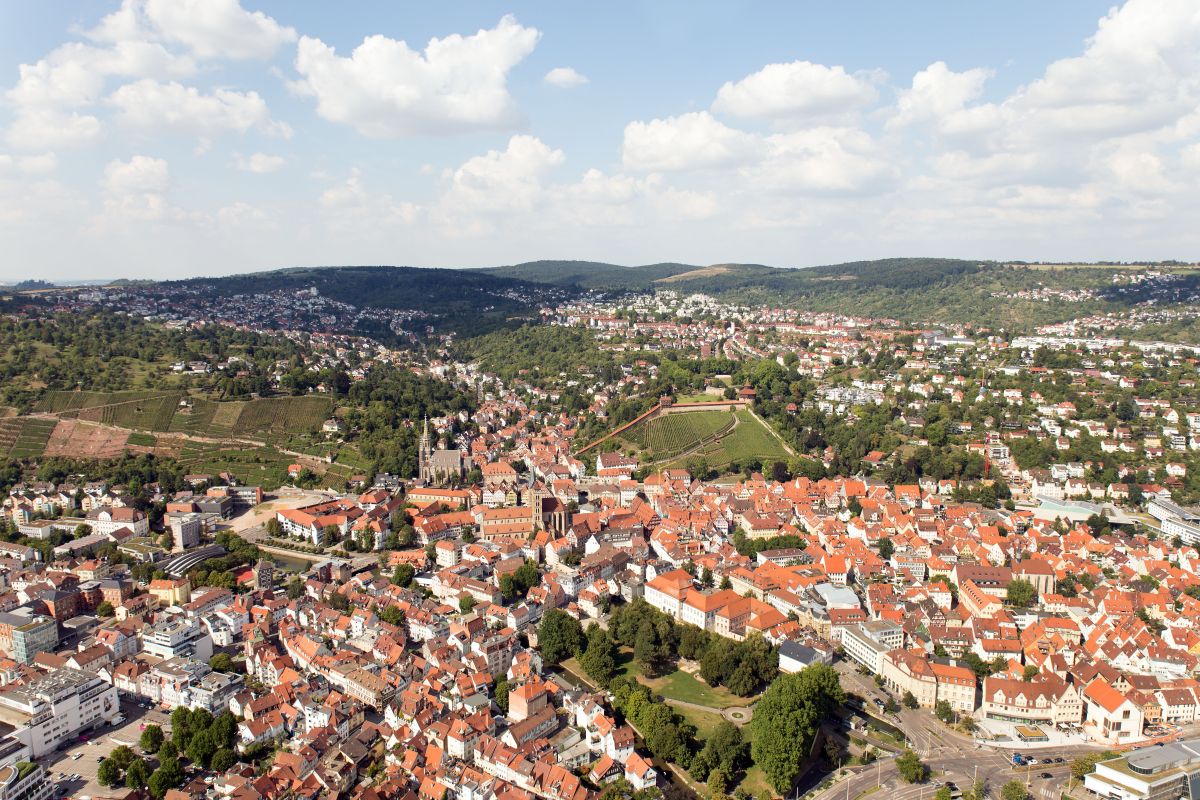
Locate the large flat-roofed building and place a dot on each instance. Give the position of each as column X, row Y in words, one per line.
column 1168, row 772
column 55, row 708
column 867, row 642
column 24, row 634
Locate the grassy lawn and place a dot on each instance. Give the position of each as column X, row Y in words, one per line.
column 679, row 685
column 705, row 721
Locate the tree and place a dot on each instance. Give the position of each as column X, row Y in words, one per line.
column 137, row 775
column 392, row 615
column 890, row 706
column 223, row 760
column 786, row 720
column 944, row 711
column 942, row 793
column 1086, row 764
column 151, row 739
column 402, row 575
column 886, row 548
column 649, row 649
column 909, row 700
column 295, row 589
column 1014, row 790
column 201, row 747
column 500, row 691
column 168, row 776
column 221, row 662
column 1020, row 593
column 560, row 636
column 108, row 774
column 466, row 603
column 599, row 659
column 1030, row 672
column 105, row 609
column 911, row 768
column 724, row 750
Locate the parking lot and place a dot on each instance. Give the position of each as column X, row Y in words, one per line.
column 73, row 770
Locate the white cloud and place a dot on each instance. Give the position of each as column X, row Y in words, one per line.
column 937, row 92
column 689, row 141
column 819, row 160
column 213, row 28
column 150, row 104
column 34, row 129
column 800, row 89
column 565, row 78
column 349, row 207
column 260, row 163
column 138, row 174
column 508, row 180
column 134, row 191
column 386, row 89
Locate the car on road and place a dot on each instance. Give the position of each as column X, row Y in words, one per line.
column 1058, row 760
column 1046, row 775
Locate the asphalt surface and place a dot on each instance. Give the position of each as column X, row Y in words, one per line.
column 82, row 759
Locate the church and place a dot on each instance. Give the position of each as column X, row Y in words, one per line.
column 440, row 466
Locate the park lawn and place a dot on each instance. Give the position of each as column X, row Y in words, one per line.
column 706, row 722
column 680, row 685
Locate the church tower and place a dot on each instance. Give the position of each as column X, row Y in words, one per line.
column 425, row 455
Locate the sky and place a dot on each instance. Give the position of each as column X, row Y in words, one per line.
column 174, row 138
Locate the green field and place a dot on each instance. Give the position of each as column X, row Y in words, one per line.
column 721, row 438
column 142, row 440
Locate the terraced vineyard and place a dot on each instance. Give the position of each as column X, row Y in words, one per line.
column 723, row 439
column 22, row 437
column 748, row 441
column 166, row 412
column 672, row 434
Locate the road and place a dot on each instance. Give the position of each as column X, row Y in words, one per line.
column 951, row 755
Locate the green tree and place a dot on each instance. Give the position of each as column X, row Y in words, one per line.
column 201, row 747
column 108, row 774
column 466, row 603
column 909, row 700
column 221, row 662
column 392, row 615
column 599, row 659
column 500, row 692
column 911, row 768
column 786, row 720
column 137, row 775
column 295, row 589
column 944, row 711
column 1020, row 593
column 403, row 575
column 223, row 760
column 1014, row 790
column 886, row 548
column 151, row 739
column 1030, row 672
column 105, row 609
column 560, row 636
column 168, row 776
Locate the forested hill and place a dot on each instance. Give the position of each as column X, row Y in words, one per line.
column 468, row 301
column 918, row 290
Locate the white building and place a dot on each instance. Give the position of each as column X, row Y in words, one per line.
column 55, row 708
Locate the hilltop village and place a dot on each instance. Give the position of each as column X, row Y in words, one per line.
column 601, row 572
